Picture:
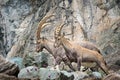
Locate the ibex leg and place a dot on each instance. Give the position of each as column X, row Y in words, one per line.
column 67, row 62
column 103, row 67
column 79, row 60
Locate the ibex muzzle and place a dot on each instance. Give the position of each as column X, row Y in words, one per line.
column 39, row 46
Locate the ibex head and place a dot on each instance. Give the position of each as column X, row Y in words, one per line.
column 40, row 41
column 57, row 35
column 40, row 44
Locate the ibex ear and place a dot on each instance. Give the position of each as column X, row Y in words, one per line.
column 38, row 41
column 63, row 34
column 43, row 38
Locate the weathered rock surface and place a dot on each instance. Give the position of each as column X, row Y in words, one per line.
column 7, row 77
column 30, row 72
column 48, row 74
column 97, row 75
column 80, row 75
column 7, row 67
column 112, row 76
column 18, row 61
column 97, row 21
column 112, row 61
column 66, row 75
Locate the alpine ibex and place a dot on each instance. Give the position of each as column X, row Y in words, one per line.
column 77, row 53
column 58, row 53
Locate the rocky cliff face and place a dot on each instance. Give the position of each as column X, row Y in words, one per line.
column 97, row 21
column 16, row 16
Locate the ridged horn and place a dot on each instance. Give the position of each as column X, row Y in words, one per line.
column 40, row 26
column 58, row 30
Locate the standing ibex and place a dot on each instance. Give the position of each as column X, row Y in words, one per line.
column 77, row 53
column 58, row 53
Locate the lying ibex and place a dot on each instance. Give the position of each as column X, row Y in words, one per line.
column 77, row 53
column 58, row 53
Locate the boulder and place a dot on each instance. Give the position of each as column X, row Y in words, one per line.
column 48, row 74
column 79, row 75
column 66, row 75
column 7, row 67
column 97, row 75
column 29, row 72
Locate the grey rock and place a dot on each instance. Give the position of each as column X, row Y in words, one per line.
column 97, row 75
column 29, row 72
column 117, row 62
column 41, row 59
column 18, row 61
column 79, row 75
column 7, row 67
column 66, row 75
column 48, row 74
column 3, row 2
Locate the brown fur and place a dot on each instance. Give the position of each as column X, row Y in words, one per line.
column 42, row 43
column 58, row 53
column 77, row 53
column 90, row 46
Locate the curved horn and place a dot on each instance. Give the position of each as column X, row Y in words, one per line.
column 40, row 26
column 58, row 30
